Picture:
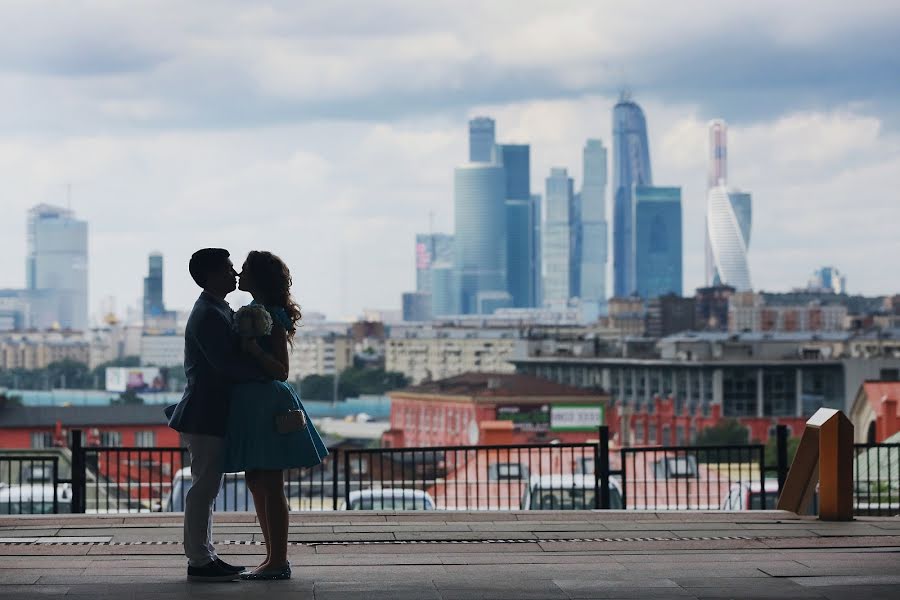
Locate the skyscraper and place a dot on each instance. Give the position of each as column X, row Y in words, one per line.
column 728, row 215
column 536, row 272
column 556, row 240
column 520, row 238
column 153, row 286
column 481, row 139
column 657, row 241
column 631, row 166
column 594, row 240
column 57, row 268
column 479, row 191
column 725, row 221
column 430, row 249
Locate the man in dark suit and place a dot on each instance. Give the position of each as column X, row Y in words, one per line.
column 212, row 363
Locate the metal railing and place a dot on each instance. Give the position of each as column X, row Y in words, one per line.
column 508, row 477
column 876, row 479
column 30, row 484
column 109, row 479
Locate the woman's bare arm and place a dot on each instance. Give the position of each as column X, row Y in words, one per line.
column 275, row 365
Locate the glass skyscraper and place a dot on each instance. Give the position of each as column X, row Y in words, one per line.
column 431, row 248
column 631, row 166
column 556, row 241
column 536, row 272
column 657, row 241
column 481, row 139
column 479, row 191
column 153, row 286
column 728, row 220
column 594, row 239
column 729, row 215
column 57, row 268
column 520, row 237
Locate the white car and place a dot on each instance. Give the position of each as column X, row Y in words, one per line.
column 234, row 495
column 389, row 499
column 567, row 492
column 746, row 496
column 34, row 499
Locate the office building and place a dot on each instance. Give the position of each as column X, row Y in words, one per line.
column 520, row 230
column 712, row 307
column 536, row 251
column 480, row 238
column 631, row 167
column 556, row 239
column 657, row 241
column 153, row 286
column 594, row 241
column 670, row 314
column 57, row 268
column 728, row 219
column 750, row 312
column 417, row 306
column 444, row 296
column 431, row 248
column 829, row 280
column 482, row 140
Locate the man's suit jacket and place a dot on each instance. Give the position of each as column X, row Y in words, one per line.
column 212, row 364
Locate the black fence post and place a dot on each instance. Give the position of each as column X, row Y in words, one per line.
column 602, row 479
column 347, row 479
column 79, row 474
column 334, row 480
column 781, row 440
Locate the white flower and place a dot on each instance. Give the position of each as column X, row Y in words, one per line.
column 252, row 321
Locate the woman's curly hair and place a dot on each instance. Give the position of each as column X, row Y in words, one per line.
column 273, row 280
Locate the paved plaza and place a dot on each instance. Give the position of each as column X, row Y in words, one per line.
column 465, row 555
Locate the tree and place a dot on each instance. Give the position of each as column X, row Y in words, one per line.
column 128, row 397
column 772, row 450
column 727, row 432
column 353, row 382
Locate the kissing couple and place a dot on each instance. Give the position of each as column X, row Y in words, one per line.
column 237, row 413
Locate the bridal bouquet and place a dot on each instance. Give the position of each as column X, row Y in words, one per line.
column 252, row 321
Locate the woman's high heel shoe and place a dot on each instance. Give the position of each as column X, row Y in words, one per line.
column 269, row 574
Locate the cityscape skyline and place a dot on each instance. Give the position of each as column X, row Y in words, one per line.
column 370, row 162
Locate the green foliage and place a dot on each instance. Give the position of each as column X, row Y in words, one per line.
column 353, row 382
column 728, row 432
column 8, row 400
column 128, row 397
column 772, row 450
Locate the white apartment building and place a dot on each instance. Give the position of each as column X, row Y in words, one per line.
column 162, row 350
column 432, row 353
column 319, row 352
column 36, row 350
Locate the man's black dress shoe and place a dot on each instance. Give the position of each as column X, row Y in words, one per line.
column 228, row 567
column 211, row 573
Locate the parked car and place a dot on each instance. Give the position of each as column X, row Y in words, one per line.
column 389, row 499
column 567, row 492
column 746, row 495
column 234, row 495
column 34, row 499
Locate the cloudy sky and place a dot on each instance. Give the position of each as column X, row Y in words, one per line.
column 327, row 132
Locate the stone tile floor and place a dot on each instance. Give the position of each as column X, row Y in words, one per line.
column 466, row 555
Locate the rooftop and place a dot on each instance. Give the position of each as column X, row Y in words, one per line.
column 439, row 555
column 493, row 385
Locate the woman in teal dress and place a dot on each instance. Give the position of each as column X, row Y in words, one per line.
column 253, row 444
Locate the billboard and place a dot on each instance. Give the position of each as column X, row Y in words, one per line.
column 576, row 417
column 136, row 379
column 526, row 417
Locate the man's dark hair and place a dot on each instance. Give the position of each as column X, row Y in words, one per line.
column 205, row 261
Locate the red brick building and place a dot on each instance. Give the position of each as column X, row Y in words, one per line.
column 876, row 411
column 492, row 408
